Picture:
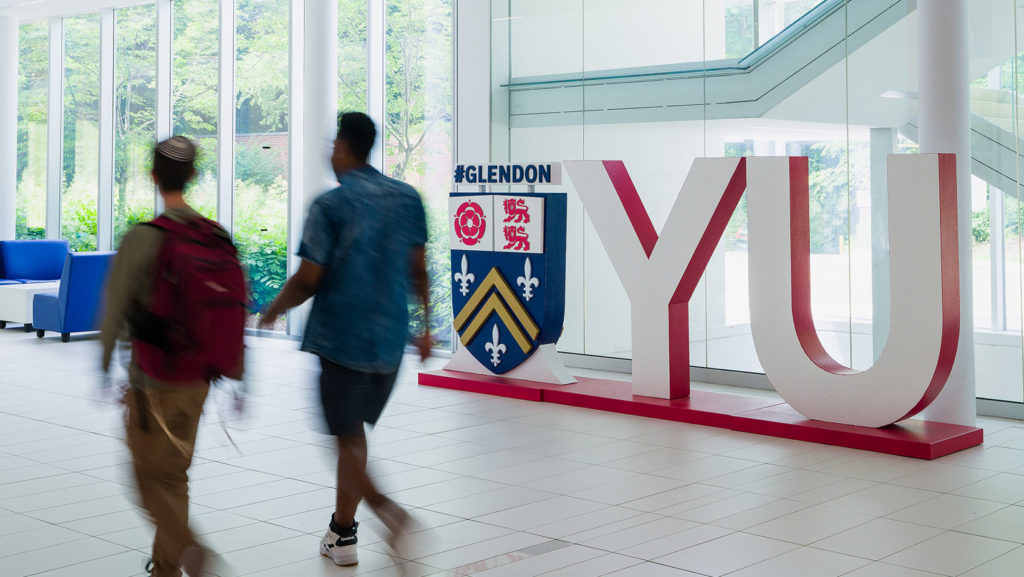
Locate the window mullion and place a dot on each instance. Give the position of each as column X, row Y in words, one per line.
column 105, row 211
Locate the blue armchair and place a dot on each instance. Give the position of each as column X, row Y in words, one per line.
column 78, row 305
column 31, row 261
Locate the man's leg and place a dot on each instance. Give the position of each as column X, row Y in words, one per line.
column 354, row 484
column 161, row 464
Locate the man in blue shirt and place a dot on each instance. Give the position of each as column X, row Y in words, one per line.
column 362, row 251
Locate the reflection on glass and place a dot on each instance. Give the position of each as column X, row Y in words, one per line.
column 134, row 116
column 194, row 82
column 739, row 27
column 33, row 81
column 79, row 169
column 775, row 15
column 261, row 146
column 418, row 132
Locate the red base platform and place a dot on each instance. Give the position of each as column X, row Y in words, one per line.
column 910, row 438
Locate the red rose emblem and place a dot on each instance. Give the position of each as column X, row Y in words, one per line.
column 470, row 224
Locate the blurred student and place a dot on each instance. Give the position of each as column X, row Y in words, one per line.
column 177, row 292
column 362, row 250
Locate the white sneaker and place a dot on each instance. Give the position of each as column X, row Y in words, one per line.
column 340, row 546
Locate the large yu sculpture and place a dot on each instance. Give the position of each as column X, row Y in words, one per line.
column 660, row 272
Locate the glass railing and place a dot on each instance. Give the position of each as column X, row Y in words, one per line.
column 796, row 17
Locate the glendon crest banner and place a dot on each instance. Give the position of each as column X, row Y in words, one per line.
column 508, row 274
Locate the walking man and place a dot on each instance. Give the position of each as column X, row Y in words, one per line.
column 184, row 335
column 362, row 248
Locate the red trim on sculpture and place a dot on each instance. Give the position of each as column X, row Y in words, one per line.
column 630, row 200
column 713, row 233
column 800, row 267
column 678, row 313
column 950, row 251
column 800, row 254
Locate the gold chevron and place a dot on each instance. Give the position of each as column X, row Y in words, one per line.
column 509, row 304
column 494, row 304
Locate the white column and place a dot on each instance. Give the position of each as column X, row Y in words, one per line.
column 319, row 97
column 314, row 118
column 944, row 121
column 473, row 82
column 376, row 46
column 8, row 124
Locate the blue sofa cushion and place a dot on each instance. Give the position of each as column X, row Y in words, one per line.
column 77, row 307
column 32, row 260
column 45, row 312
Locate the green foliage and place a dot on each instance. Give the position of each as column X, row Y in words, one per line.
column 262, row 64
column 132, row 217
column 264, row 254
column 739, row 31
column 261, row 235
column 418, row 80
column 79, row 225
column 352, row 59
column 980, row 226
column 438, row 273
column 24, row 232
column 196, row 67
column 81, row 84
column 251, row 166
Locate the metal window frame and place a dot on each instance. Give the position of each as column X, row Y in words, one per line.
column 105, row 198
column 55, row 128
column 226, row 118
column 164, row 59
column 376, row 89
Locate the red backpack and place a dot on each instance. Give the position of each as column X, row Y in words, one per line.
column 194, row 325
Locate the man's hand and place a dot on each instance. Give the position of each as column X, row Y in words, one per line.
column 268, row 318
column 425, row 344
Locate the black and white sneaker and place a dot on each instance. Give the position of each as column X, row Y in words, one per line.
column 340, row 544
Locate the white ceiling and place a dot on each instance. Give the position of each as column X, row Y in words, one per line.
column 28, row 9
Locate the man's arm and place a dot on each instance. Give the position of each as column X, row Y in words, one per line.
column 421, row 284
column 139, row 246
column 296, row 291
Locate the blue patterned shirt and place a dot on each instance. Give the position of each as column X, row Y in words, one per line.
column 362, row 233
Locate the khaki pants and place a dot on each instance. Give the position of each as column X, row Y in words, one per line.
column 161, row 466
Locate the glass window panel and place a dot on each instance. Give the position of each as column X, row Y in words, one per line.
column 33, row 91
column 195, row 77
column 516, row 57
column 352, row 55
column 134, row 116
column 261, row 146
column 738, row 19
column 418, row 132
column 80, row 156
column 775, row 15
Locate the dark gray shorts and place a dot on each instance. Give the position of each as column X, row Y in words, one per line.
column 351, row 398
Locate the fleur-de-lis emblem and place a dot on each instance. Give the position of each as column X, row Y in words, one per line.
column 465, row 278
column 527, row 281
column 495, row 347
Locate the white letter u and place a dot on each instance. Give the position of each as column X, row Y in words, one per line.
column 924, row 291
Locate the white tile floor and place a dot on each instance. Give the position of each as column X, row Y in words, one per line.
column 499, row 487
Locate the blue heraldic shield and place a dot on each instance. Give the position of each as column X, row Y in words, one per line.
column 508, row 274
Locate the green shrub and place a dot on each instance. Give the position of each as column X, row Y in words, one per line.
column 438, row 272
column 261, row 235
column 22, row 231
column 78, row 224
column 980, row 226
